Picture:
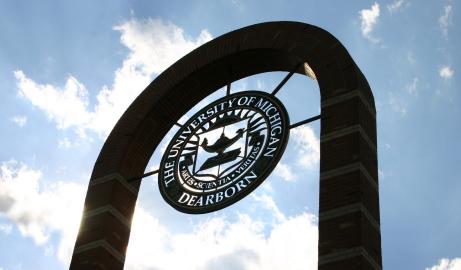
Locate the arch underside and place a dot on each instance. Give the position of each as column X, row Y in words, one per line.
column 349, row 232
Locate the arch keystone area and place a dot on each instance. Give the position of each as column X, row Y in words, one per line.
column 349, row 219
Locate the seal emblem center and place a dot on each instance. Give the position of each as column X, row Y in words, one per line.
column 223, row 152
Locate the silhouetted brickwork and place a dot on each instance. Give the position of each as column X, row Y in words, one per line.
column 349, row 232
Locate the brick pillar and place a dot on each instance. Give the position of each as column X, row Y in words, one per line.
column 349, row 226
column 106, row 222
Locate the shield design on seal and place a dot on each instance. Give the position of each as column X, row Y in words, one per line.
column 221, row 148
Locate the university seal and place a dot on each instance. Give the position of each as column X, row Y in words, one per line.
column 223, row 152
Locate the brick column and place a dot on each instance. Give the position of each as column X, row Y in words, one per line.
column 349, row 227
column 106, row 223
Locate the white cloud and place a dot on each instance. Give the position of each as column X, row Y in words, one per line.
column 64, row 143
column 19, row 120
column 49, row 250
column 412, row 87
column 153, row 45
column 40, row 210
column 269, row 203
column 218, row 243
column 285, row 172
column 399, row 101
column 6, row 228
column 397, row 5
column 308, row 146
column 446, row 72
column 67, row 106
column 398, row 104
column 447, row 264
column 445, row 21
column 369, row 18
column 267, row 187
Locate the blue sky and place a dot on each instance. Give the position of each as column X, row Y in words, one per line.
column 68, row 70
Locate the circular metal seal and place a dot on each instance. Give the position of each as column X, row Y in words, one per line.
column 223, row 152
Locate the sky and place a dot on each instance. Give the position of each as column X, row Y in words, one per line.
column 69, row 69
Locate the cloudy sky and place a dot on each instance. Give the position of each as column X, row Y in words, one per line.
column 68, row 70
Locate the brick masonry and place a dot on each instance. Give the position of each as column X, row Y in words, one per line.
column 349, row 225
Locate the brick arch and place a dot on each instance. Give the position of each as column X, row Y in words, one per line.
column 349, row 230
